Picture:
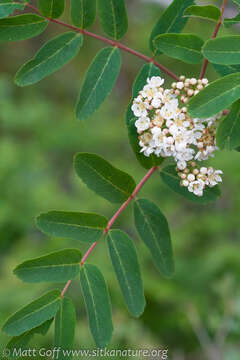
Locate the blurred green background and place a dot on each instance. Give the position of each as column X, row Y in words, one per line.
column 196, row 314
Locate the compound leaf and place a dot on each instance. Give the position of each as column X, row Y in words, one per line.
column 21, row 27
column 59, row 266
column 228, row 132
column 152, row 227
column 185, row 47
column 125, row 263
column 85, row 227
column 51, row 57
column 113, row 17
column 99, row 81
column 33, row 314
column 97, row 303
column 104, row 179
column 170, row 178
column 83, row 13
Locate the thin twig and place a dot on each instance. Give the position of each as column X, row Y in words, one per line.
column 109, row 42
column 215, row 32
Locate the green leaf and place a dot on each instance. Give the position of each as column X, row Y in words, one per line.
column 125, row 263
column 33, row 314
column 21, row 341
column 185, row 47
column 7, row 7
column 226, row 69
column 65, row 323
column 85, row 227
column 51, row 8
column 147, row 71
column 21, row 27
column 113, row 17
column 219, row 95
column 231, row 21
column 98, row 305
column 51, row 57
column 59, row 266
column 100, row 176
column 171, row 21
column 152, row 227
column 209, row 12
column 224, row 50
column 99, row 81
column 83, row 13
column 228, row 132
column 170, row 178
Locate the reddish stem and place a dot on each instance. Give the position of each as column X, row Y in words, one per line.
column 113, row 219
column 215, row 32
column 109, row 42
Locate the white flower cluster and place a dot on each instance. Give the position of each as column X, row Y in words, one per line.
column 165, row 129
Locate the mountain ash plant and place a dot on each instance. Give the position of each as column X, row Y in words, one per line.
column 172, row 132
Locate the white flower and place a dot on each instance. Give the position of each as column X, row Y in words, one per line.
column 181, row 165
column 213, row 177
column 142, row 123
column 196, row 187
column 139, row 107
column 155, row 81
column 156, row 102
column 149, row 92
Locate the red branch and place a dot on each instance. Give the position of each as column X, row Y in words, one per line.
column 113, row 219
column 215, row 32
column 109, row 42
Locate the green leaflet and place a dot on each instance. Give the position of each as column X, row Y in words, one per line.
column 113, row 17
column 216, row 97
column 7, row 7
column 83, row 13
column 152, row 227
column 21, row 341
column 226, row 69
column 228, row 132
column 33, row 314
column 148, row 70
column 125, row 263
column 51, row 57
column 209, row 12
column 99, row 81
column 85, row 227
column 170, row 178
column 59, row 266
column 65, row 323
column 224, row 50
column 101, row 177
column 185, row 47
column 21, row 27
column 51, row 8
column 97, row 303
column 171, row 21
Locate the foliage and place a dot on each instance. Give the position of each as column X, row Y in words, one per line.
column 102, row 177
